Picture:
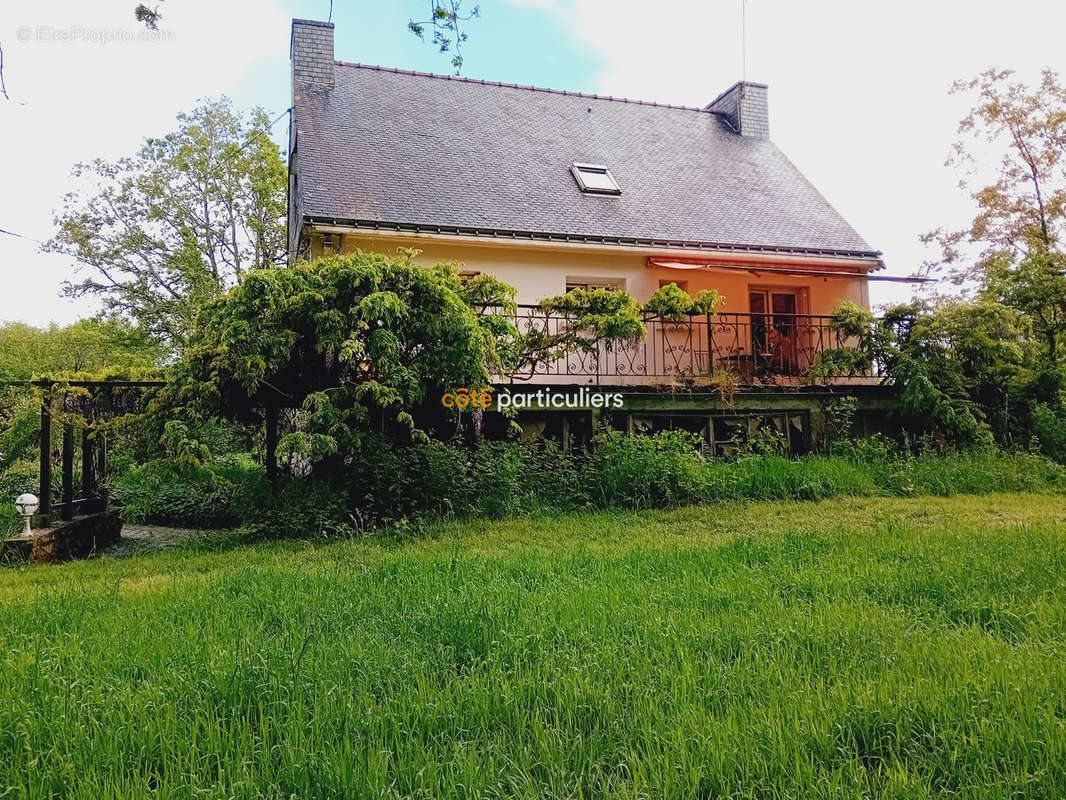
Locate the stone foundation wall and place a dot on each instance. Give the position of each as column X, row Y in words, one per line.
column 82, row 536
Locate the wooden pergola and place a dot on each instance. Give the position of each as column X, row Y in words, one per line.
column 93, row 452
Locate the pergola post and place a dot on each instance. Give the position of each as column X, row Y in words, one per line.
column 45, row 494
column 88, row 465
column 100, row 471
column 68, row 472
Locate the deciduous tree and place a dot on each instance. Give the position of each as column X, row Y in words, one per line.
column 1012, row 251
column 184, row 219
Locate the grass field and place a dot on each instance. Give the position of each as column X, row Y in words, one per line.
column 845, row 648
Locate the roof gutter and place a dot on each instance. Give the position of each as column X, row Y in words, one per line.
column 866, row 259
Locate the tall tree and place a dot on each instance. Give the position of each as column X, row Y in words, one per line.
column 1012, row 251
column 83, row 346
column 180, row 222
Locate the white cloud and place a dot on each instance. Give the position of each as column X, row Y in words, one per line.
column 82, row 93
column 857, row 94
column 857, row 89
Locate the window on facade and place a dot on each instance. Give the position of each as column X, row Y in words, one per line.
column 613, row 284
column 595, row 179
column 332, row 243
column 467, row 274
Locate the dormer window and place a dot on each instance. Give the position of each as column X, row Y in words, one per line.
column 594, row 179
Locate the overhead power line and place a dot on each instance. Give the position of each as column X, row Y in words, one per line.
column 269, row 127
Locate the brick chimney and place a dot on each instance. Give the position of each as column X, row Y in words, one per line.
column 745, row 108
column 311, row 53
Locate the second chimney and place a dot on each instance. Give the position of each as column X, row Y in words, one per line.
column 311, row 52
column 744, row 105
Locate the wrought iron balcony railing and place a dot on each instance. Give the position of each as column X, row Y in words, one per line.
column 758, row 349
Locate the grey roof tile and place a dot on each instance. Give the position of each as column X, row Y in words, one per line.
column 396, row 147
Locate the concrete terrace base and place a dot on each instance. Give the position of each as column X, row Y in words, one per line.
column 78, row 538
column 797, row 412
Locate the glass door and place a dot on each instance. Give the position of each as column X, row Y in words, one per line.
column 773, row 329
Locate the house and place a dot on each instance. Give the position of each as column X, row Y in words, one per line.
column 551, row 190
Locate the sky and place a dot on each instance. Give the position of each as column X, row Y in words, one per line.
column 858, row 90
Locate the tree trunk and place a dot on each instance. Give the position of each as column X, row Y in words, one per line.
column 271, row 456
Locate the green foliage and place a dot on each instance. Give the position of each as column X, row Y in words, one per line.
column 860, row 339
column 90, row 348
column 581, row 320
column 19, row 429
column 1035, row 289
column 404, row 485
column 994, row 351
column 952, row 414
column 867, row 450
column 178, row 223
column 594, row 315
column 343, row 341
column 852, row 320
column 407, row 486
column 840, row 419
column 361, row 342
column 86, row 346
column 218, row 495
column 762, row 441
column 644, row 471
column 839, row 362
column 671, row 302
column 183, row 451
column 724, row 381
column 707, row 301
column 986, row 356
column 1049, row 431
column 448, row 25
column 976, row 471
column 923, row 354
column 16, row 477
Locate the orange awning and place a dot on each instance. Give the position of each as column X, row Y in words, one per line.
column 817, row 273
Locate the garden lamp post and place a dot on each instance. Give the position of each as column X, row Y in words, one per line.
column 26, row 504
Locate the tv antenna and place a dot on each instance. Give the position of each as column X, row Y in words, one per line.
column 743, row 41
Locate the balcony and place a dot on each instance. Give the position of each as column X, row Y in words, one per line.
column 750, row 349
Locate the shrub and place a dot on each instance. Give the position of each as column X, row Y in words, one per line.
column 404, row 487
column 20, row 476
column 1049, row 431
column 218, row 495
column 673, row 303
column 19, row 426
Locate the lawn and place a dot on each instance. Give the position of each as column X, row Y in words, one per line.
column 855, row 647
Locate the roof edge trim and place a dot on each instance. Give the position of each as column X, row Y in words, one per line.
column 640, row 242
column 524, row 87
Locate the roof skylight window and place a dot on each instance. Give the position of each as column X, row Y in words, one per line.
column 595, row 179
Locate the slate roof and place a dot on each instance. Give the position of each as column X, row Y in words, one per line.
column 393, row 148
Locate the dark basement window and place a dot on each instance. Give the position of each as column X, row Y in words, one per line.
column 595, row 179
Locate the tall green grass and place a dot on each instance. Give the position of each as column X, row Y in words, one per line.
column 838, row 649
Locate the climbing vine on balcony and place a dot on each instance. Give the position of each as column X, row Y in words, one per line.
column 903, row 342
